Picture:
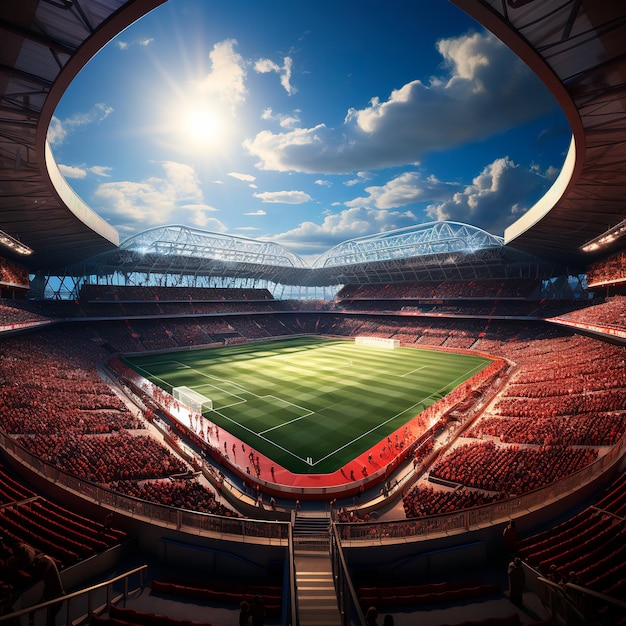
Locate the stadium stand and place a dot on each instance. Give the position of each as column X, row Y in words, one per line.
column 561, row 409
column 611, row 270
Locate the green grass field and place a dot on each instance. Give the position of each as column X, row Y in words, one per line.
column 302, row 397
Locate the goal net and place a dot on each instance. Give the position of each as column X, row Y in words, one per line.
column 192, row 399
column 378, row 342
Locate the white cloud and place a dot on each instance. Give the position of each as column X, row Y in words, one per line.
column 174, row 197
column 408, row 188
column 60, row 129
column 125, row 45
column 491, row 201
column 486, row 90
column 323, row 183
column 248, row 228
column 101, row 170
column 226, row 80
column 244, row 177
column 284, row 120
column 80, row 172
column 72, row 171
column 265, row 66
column 256, row 213
column 202, row 220
column 284, row 197
column 310, row 238
column 56, row 132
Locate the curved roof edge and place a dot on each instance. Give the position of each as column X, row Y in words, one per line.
column 577, row 50
column 546, row 203
column 75, row 203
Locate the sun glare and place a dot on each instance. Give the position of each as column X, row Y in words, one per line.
column 201, row 125
column 194, row 122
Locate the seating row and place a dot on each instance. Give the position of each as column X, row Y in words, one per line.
column 119, row 616
column 422, row 595
column 217, row 596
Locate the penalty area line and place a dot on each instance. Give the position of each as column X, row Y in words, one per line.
column 252, row 432
column 417, row 369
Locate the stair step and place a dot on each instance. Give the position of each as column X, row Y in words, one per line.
column 317, row 599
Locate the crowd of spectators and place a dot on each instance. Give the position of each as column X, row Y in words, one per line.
column 11, row 314
column 511, row 470
column 609, row 270
column 591, row 429
column 182, row 493
column 423, row 501
column 12, row 273
column 57, row 406
column 49, row 386
column 105, row 458
column 611, row 312
column 484, row 288
column 123, row 293
column 488, row 308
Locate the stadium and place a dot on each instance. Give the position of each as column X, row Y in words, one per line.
column 184, row 426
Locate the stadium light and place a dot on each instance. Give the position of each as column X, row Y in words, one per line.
column 606, row 238
column 14, row 244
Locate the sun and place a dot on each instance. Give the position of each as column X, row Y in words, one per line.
column 193, row 122
column 201, row 125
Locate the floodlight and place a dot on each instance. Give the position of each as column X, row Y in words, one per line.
column 14, row 244
column 606, row 238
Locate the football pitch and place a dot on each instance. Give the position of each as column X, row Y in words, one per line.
column 311, row 404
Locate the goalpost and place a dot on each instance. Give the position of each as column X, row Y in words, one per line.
column 377, row 342
column 192, row 399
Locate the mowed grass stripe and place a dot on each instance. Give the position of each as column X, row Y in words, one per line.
column 332, row 400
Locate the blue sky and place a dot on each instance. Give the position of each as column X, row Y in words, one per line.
column 307, row 123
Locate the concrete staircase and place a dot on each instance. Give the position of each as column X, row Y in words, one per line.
column 315, row 588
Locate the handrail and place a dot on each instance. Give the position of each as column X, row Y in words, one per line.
column 405, row 530
column 549, row 590
column 236, row 528
column 343, row 582
column 597, row 595
column 293, row 596
column 141, row 570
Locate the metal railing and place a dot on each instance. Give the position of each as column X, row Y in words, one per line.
column 293, row 596
column 410, row 529
column 347, row 599
column 233, row 528
column 80, row 605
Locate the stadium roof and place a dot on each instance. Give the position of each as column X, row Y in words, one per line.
column 434, row 251
column 413, row 241
column 575, row 46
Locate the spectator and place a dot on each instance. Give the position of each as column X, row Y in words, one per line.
column 517, row 580
column 257, row 611
column 244, row 614
column 371, row 616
